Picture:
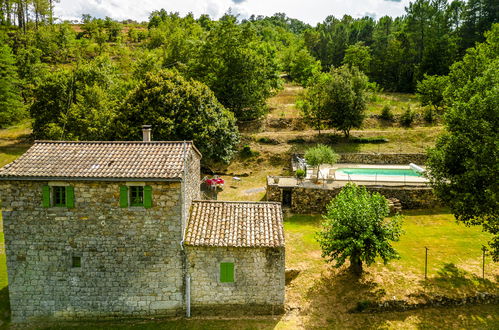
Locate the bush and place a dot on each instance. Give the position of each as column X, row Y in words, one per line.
column 300, row 173
column 297, row 140
column 369, row 140
column 386, row 113
column 407, row 117
column 362, row 306
column 266, row 140
column 246, row 152
column 429, row 115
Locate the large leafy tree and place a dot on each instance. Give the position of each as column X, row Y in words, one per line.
column 463, row 166
column 11, row 107
column 179, row 109
column 241, row 70
column 336, row 99
column 354, row 228
column 431, row 89
column 77, row 104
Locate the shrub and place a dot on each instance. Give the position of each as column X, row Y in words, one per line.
column 386, row 113
column 369, row 140
column 428, row 115
column 362, row 306
column 297, row 140
column 246, row 152
column 300, row 173
column 266, row 140
column 407, row 117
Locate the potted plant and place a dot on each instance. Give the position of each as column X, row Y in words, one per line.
column 300, row 174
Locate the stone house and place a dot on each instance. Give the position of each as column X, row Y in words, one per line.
column 96, row 230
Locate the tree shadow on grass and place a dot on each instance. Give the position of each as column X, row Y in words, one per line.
column 456, row 282
column 4, row 306
column 337, row 297
column 334, row 294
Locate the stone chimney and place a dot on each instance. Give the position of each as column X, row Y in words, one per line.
column 146, row 133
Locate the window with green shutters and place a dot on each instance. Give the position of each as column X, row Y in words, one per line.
column 136, row 196
column 58, row 196
column 226, row 272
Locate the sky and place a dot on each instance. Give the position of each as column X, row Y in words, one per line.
column 310, row 11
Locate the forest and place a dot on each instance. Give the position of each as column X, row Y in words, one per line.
column 199, row 78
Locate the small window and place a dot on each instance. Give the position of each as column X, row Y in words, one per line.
column 136, row 196
column 76, row 262
column 59, row 196
column 226, row 272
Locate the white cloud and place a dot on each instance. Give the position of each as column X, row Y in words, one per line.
column 312, row 11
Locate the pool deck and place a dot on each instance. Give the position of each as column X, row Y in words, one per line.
column 330, row 177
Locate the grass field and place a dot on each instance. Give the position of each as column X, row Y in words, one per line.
column 324, row 294
column 321, row 296
column 14, row 142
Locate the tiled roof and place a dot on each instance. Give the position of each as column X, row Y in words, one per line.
column 100, row 160
column 235, row 224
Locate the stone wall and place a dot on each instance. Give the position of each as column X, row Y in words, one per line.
column 388, row 159
column 374, row 158
column 314, row 200
column 258, row 286
column 192, row 183
column 130, row 257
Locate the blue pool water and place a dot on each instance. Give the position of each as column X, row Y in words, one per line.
column 378, row 171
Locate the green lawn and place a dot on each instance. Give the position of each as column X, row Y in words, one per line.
column 326, row 293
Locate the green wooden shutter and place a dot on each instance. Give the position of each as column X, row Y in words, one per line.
column 147, row 197
column 46, row 196
column 123, row 196
column 226, row 272
column 70, row 197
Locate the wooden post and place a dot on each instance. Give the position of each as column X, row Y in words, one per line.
column 426, row 264
column 484, row 249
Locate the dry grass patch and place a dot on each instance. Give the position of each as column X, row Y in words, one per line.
column 283, row 105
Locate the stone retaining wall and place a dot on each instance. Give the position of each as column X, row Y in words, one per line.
column 384, row 158
column 258, row 287
column 482, row 298
column 314, row 200
column 374, row 159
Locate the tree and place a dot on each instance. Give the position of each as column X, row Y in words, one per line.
column 358, row 55
column 336, row 99
column 319, row 155
column 354, row 228
column 303, row 66
column 78, row 104
column 463, row 167
column 179, row 109
column 11, row 107
column 241, row 70
column 431, row 89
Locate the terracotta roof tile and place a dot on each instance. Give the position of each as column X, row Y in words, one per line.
column 236, row 224
column 100, row 160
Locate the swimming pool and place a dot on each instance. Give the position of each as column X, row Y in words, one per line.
column 379, row 172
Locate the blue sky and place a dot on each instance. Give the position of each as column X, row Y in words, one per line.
column 311, row 11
